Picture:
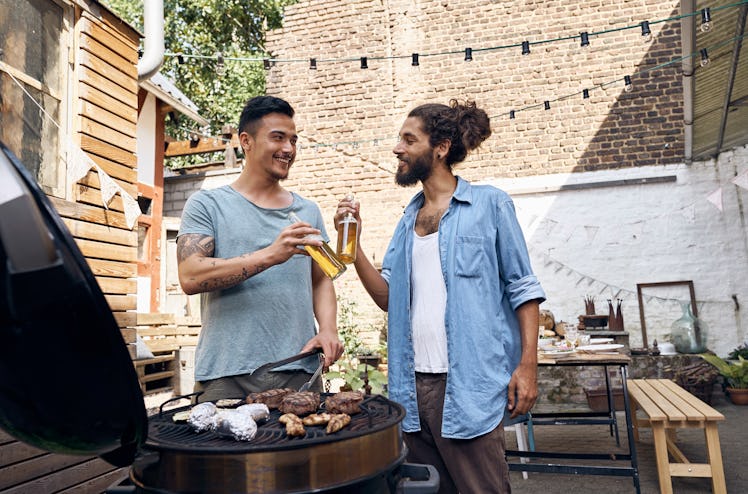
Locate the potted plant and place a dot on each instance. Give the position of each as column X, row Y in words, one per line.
column 735, row 373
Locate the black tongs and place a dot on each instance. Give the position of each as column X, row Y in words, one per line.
column 306, row 385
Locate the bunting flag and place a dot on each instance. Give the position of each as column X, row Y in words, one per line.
column 716, row 198
column 79, row 163
column 741, row 180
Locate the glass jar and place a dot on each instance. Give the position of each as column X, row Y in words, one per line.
column 689, row 333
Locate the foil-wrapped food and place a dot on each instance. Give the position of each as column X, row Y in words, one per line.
column 239, row 423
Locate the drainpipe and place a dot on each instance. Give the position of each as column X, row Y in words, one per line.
column 153, row 42
column 688, row 46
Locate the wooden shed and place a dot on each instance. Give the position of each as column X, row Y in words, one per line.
column 92, row 134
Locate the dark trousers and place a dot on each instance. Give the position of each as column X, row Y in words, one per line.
column 467, row 466
column 240, row 386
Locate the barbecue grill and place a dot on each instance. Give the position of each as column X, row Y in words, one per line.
column 70, row 330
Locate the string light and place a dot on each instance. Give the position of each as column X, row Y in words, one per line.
column 706, row 20
column 547, row 105
column 312, row 64
column 220, row 66
column 266, row 64
column 180, row 58
column 468, row 54
column 584, row 38
column 646, row 31
column 511, row 114
column 704, row 57
column 585, row 93
column 364, row 63
column 414, row 60
column 627, row 86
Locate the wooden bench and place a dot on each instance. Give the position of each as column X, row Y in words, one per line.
column 669, row 407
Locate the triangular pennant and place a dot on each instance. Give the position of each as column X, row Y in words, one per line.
column 78, row 164
column 132, row 209
column 108, row 187
column 591, row 232
column 716, row 198
column 741, row 180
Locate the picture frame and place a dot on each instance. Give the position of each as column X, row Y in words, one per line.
column 661, row 284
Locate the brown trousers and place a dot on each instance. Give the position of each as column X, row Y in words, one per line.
column 240, row 386
column 467, row 466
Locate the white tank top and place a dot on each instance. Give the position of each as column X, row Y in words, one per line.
column 428, row 303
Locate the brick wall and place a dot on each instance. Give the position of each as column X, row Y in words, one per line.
column 592, row 240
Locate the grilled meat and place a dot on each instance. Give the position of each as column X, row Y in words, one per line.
column 337, row 422
column 300, row 403
column 272, row 397
column 344, row 402
column 316, row 419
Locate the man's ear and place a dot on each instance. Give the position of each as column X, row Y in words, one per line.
column 442, row 149
column 246, row 141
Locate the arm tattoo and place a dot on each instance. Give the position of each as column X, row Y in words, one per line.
column 194, row 243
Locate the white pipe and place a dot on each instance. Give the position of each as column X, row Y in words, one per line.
column 153, row 42
column 688, row 46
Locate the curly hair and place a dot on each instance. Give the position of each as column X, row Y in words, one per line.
column 464, row 125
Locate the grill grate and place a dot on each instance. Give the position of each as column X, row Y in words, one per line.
column 163, row 433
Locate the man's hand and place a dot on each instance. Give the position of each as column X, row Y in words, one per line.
column 523, row 389
column 291, row 238
column 331, row 347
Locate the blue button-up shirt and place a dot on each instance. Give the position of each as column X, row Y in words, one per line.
column 487, row 272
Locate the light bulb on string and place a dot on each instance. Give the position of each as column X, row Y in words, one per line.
column 414, row 60
column 706, row 20
column 312, row 64
column 266, row 63
column 585, row 39
column 627, row 86
column 525, row 47
column 511, row 114
column 585, row 93
column 180, row 58
column 364, row 63
column 704, row 57
column 220, row 65
column 547, row 105
column 468, row 54
column 646, row 31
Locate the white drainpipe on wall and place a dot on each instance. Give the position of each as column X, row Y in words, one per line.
column 688, row 46
column 153, row 42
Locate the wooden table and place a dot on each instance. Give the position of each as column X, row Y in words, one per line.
column 584, row 418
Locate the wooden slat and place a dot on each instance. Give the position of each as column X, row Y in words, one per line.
column 103, row 233
column 121, row 302
column 203, row 145
column 114, row 269
column 36, row 467
column 107, row 134
column 683, row 405
column 96, row 147
column 89, row 77
column 104, row 34
column 104, row 100
column 151, row 318
column 128, row 334
column 690, row 470
column 16, row 451
column 644, row 402
column 53, row 481
column 162, row 345
column 154, row 331
column 117, row 285
column 109, row 64
column 154, row 360
column 107, row 118
column 672, row 411
column 91, row 196
column 157, row 376
column 103, row 250
column 703, row 408
column 84, row 212
column 187, row 340
column 99, row 483
column 116, row 26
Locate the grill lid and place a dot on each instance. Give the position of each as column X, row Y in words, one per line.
column 67, row 384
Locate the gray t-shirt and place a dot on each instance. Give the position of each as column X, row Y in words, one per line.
column 269, row 316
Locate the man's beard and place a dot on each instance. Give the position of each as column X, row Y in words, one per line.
column 418, row 170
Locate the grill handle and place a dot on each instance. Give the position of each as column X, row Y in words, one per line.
column 417, row 479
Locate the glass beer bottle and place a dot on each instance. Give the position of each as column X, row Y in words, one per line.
column 347, row 233
column 323, row 255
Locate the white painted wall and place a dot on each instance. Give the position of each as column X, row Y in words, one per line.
column 146, row 154
column 146, row 141
column 603, row 241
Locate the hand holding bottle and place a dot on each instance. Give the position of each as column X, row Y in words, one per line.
column 320, row 251
column 347, row 228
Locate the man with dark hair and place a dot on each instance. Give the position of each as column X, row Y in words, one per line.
column 238, row 249
column 462, row 304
